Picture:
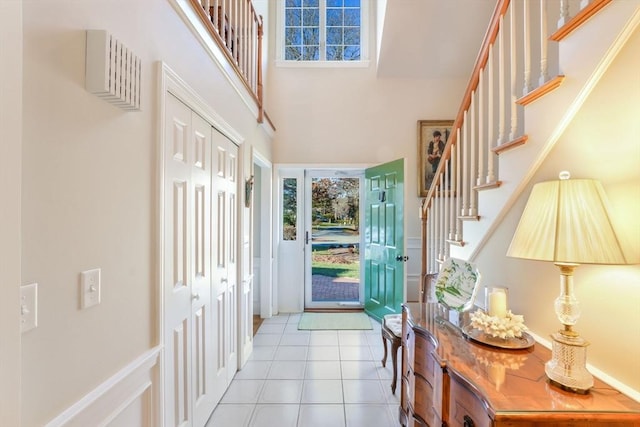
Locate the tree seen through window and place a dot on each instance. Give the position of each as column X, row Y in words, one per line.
column 322, row 30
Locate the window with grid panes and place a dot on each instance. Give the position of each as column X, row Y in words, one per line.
column 322, row 30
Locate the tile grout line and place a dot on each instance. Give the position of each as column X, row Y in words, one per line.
column 366, row 341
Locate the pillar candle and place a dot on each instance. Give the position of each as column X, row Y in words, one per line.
column 498, row 303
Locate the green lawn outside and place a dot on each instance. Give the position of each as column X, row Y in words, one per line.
column 322, row 265
column 336, row 270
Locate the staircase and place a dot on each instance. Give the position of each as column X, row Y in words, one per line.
column 538, row 63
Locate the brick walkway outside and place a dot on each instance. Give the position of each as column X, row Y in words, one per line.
column 325, row 288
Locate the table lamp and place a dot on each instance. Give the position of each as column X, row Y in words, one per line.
column 567, row 222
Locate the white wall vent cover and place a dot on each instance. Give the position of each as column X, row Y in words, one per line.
column 112, row 70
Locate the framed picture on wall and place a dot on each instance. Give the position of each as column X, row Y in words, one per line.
column 432, row 138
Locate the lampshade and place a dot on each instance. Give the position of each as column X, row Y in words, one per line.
column 567, row 221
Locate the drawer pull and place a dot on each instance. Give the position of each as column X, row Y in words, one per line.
column 468, row 422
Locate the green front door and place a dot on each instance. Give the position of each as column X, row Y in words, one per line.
column 384, row 239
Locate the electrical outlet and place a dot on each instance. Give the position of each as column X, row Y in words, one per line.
column 90, row 288
column 28, row 307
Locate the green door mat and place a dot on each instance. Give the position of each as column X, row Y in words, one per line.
column 333, row 321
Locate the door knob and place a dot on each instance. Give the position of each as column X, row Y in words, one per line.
column 195, row 297
column 402, row 258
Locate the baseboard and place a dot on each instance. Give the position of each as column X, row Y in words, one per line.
column 127, row 398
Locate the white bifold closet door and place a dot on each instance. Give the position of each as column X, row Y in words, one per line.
column 200, row 355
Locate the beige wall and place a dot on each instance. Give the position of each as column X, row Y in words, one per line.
column 602, row 142
column 349, row 116
column 89, row 190
column 358, row 119
column 10, row 171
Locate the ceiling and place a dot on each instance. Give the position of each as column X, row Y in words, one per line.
column 431, row 39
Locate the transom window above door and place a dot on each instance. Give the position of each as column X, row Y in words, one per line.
column 323, row 32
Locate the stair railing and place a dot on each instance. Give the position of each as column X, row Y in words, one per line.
column 237, row 29
column 518, row 56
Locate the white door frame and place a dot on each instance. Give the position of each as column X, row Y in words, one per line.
column 267, row 300
column 289, row 262
column 289, row 269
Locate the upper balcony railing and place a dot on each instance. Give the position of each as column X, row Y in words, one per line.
column 237, row 29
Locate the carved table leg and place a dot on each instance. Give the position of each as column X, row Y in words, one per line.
column 384, row 344
column 394, row 355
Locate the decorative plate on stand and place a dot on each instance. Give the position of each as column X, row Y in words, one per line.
column 457, row 284
column 525, row 341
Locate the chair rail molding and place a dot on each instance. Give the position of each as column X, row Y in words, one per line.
column 138, row 381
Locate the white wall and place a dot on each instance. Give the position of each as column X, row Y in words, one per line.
column 602, row 142
column 10, row 179
column 89, row 191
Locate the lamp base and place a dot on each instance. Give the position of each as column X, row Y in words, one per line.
column 567, row 367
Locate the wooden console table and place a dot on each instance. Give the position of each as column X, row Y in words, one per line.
column 450, row 381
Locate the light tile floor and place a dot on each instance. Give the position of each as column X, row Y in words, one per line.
column 311, row 379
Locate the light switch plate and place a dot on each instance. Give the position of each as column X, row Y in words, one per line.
column 90, row 288
column 28, row 307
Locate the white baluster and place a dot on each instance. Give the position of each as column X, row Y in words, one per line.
column 427, row 244
column 452, row 187
column 513, row 57
column 564, row 13
column 458, row 235
column 544, row 44
column 438, row 221
column 248, row 39
column 465, row 166
column 234, row 33
column 430, row 237
column 434, row 212
column 434, row 236
column 217, row 9
column 481, row 142
column 443, row 217
column 473, row 142
column 501, row 83
column 241, row 37
column 584, row 3
column 445, row 202
column 526, row 25
column 491, row 125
